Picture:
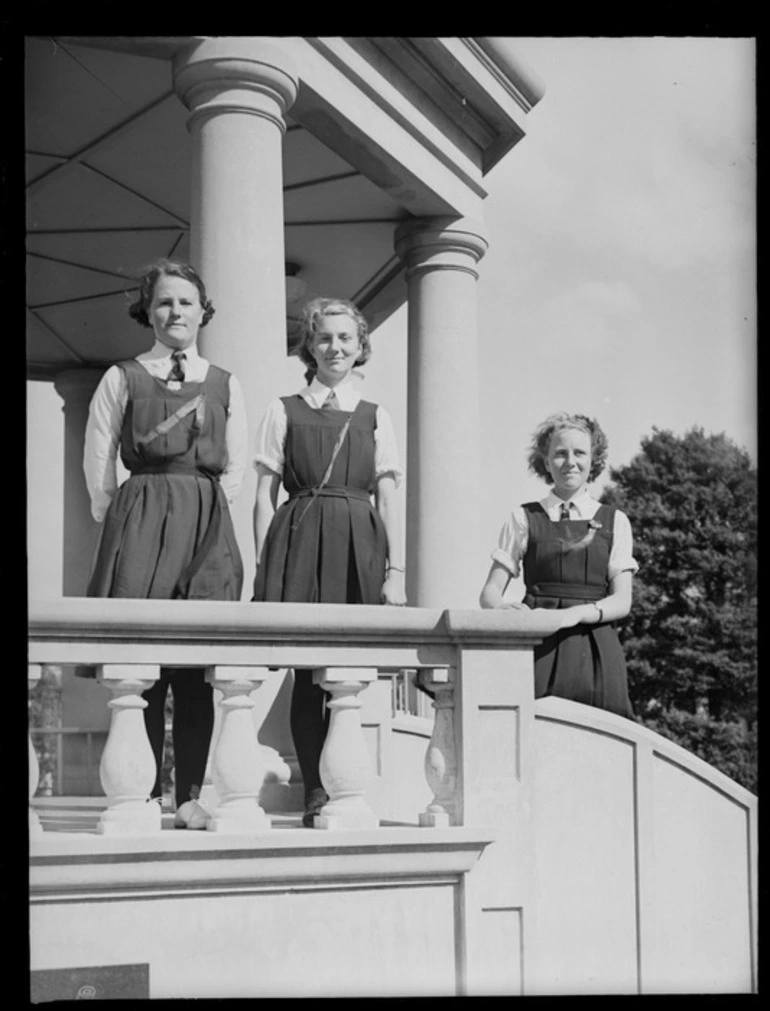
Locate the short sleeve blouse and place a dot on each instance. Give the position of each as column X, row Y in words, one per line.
column 271, row 432
column 514, row 535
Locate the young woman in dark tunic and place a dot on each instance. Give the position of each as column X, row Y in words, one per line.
column 333, row 453
column 577, row 557
column 180, row 426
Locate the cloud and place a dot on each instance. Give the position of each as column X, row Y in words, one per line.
column 641, row 148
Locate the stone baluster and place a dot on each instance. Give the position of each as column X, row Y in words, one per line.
column 237, row 763
column 441, row 755
column 127, row 770
column 34, row 673
column 346, row 769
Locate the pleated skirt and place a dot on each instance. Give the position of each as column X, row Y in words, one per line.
column 153, row 529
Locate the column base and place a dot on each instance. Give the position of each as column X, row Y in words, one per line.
column 143, row 819
column 435, row 819
column 241, row 821
column 35, row 828
column 335, row 816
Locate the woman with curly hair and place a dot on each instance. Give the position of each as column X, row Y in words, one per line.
column 577, row 557
column 337, row 537
column 179, row 424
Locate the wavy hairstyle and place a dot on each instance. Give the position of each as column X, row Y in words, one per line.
column 541, row 441
column 315, row 309
column 139, row 310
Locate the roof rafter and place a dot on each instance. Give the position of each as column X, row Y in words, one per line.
column 56, row 335
column 72, row 263
column 78, row 156
column 109, row 228
column 82, row 298
column 321, row 180
column 343, row 221
column 136, row 193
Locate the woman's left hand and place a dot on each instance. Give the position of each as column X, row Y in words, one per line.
column 393, row 592
column 578, row 614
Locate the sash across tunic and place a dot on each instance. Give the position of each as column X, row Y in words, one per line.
column 168, row 531
column 326, row 544
column 566, row 563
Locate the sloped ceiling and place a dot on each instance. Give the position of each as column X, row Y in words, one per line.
column 108, row 191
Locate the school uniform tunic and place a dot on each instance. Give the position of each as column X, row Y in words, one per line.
column 327, row 542
column 167, row 530
column 568, row 562
column 326, row 545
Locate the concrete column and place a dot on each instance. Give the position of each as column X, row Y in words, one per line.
column 446, row 553
column 237, row 91
column 80, row 530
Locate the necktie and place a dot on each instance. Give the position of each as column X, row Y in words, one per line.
column 564, row 511
column 331, row 403
column 177, row 369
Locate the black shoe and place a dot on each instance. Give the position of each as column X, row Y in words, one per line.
column 314, row 801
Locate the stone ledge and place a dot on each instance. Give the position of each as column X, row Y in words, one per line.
column 79, row 867
column 87, row 618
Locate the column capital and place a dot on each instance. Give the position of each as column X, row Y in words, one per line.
column 243, row 75
column 76, row 386
column 441, row 243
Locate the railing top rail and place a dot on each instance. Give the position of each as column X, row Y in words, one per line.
column 91, row 619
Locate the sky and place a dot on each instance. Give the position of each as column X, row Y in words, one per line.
column 620, row 280
column 621, row 276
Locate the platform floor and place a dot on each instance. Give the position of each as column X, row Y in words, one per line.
column 81, row 814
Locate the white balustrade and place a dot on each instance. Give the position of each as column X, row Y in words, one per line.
column 237, row 765
column 127, row 770
column 345, row 765
column 240, row 643
column 441, row 754
column 34, row 673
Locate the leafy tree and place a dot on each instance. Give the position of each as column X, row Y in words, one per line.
column 690, row 640
column 44, row 711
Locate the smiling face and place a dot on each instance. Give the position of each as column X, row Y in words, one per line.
column 175, row 312
column 335, row 347
column 569, row 461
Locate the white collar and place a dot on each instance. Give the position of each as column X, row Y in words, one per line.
column 347, row 394
column 581, row 504
column 159, row 351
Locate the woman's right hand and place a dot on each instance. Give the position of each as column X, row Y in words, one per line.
column 393, row 592
column 569, row 617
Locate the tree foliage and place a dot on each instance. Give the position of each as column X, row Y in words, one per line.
column 44, row 711
column 690, row 640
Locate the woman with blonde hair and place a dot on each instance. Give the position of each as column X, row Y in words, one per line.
column 338, row 536
column 577, row 557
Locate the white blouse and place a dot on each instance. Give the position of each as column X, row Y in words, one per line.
column 105, row 419
column 514, row 536
column 271, row 433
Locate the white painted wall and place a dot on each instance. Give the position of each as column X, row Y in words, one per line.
column 45, row 490
column 645, row 862
column 643, row 878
